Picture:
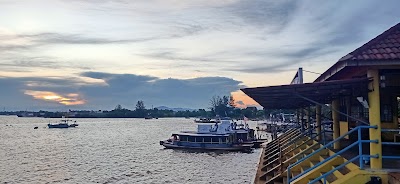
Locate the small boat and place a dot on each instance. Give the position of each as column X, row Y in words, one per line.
column 225, row 135
column 64, row 123
column 148, row 117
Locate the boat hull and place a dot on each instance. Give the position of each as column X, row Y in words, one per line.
column 58, row 126
column 202, row 146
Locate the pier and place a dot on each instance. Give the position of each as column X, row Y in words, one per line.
column 360, row 96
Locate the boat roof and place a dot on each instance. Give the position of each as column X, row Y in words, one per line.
column 189, row 133
column 194, row 133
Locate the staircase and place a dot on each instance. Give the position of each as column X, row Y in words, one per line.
column 270, row 153
column 328, row 165
column 300, row 159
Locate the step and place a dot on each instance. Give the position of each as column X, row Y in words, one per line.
column 264, row 177
column 312, row 163
column 266, row 168
column 274, row 179
column 344, row 170
column 323, row 157
column 269, row 161
column 337, row 173
column 304, row 168
column 267, row 175
column 330, row 178
column 349, row 167
column 319, row 182
column 295, row 173
column 322, row 170
column 272, row 157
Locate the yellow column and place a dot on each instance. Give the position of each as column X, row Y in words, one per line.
column 348, row 112
column 318, row 120
column 335, row 118
column 375, row 118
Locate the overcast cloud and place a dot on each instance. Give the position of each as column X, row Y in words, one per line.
column 96, row 54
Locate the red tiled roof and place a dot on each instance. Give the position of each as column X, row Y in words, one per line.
column 386, row 46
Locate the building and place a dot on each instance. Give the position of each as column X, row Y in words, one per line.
column 362, row 90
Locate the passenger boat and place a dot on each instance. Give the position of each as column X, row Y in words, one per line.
column 225, row 135
column 64, row 123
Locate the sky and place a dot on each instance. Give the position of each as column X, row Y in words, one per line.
column 95, row 54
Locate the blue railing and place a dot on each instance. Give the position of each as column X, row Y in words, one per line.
column 360, row 155
column 391, row 143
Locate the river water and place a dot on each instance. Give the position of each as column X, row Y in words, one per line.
column 112, row 151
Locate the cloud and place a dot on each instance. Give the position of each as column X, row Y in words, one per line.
column 60, row 38
column 36, row 40
column 215, row 38
column 296, row 33
column 174, row 55
column 124, row 89
column 13, row 96
column 21, row 63
column 274, row 15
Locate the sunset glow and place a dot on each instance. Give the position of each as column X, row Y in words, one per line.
column 51, row 97
column 243, row 101
column 69, row 99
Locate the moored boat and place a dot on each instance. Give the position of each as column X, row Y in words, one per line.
column 64, row 123
column 225, row 135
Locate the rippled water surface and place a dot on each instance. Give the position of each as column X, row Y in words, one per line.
column 112, row 151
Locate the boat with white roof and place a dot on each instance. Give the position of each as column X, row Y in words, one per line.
column 225, row 135
column 64, row 123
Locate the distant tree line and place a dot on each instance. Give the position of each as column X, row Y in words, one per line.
column 219, row 106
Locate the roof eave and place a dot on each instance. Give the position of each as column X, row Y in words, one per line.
column 337, row 67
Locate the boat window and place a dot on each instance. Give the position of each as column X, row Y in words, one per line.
column 191, row 139
column 215, row 139
column 207, row 139
column 183, row 138
column 242, row 136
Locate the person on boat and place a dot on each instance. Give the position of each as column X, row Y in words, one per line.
column 215, row 127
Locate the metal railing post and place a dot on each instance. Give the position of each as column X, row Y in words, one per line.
column 360, row 149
